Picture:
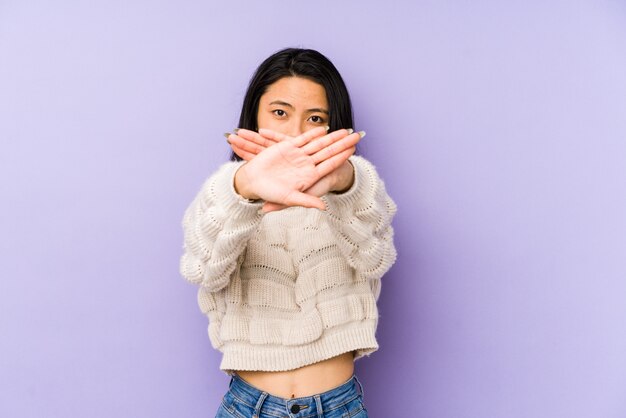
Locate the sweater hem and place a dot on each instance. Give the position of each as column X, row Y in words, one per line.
column 243, row 356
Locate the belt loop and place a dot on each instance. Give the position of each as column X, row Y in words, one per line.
column 318, row 403
column 259, row 404
column 360, row 386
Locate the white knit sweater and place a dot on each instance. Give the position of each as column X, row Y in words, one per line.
column 291, row 287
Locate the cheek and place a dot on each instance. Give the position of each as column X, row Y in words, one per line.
column 265, row 121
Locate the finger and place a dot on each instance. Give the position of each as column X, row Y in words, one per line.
column 308, row 136
column 296, row 198
column 268, row 141
column 255, row 137
column 243, row 154
column 245, row 144
column 271, row 207
column 273, row 135
column 336, row 147
column 324, row 141
column 327, row 166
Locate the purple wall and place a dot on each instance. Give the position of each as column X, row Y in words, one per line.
column 500, row 132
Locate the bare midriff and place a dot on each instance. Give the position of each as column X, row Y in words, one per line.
column 305, row 381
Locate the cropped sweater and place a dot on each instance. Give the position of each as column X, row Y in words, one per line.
column 292, row 287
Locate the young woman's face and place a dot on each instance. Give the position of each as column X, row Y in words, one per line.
column 293, row 105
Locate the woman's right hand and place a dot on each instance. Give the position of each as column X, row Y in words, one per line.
column 280, row 173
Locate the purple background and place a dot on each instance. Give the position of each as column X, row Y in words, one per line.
column 500, row 131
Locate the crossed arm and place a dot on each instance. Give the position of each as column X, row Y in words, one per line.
column 293, row 171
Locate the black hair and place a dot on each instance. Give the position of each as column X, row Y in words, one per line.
column 297, row 62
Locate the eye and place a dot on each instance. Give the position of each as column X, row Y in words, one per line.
column 316, row 119
column 279, row 112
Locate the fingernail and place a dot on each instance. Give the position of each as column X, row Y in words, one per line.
column 350, row 131
column 227, row 134
column 362, row 133
column 236, row 130
column 327, row 128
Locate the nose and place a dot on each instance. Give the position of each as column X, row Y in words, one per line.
column 296, row 129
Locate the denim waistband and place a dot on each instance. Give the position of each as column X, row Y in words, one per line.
column 263, row 402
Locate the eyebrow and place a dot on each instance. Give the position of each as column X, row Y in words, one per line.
column 281, row 103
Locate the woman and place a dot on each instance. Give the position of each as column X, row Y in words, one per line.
column 288, row 243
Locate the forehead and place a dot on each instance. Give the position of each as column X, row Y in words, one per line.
column 297, row 90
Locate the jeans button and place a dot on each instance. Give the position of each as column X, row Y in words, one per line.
column 295, row 409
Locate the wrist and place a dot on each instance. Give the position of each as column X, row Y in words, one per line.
column 241, row 184
column 344, row 177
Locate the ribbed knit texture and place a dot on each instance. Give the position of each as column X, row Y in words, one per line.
column 291, row 287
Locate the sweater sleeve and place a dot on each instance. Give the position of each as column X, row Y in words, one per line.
column 361, row 219
column 217, row 226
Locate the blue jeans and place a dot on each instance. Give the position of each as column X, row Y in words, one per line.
column 245, row 401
